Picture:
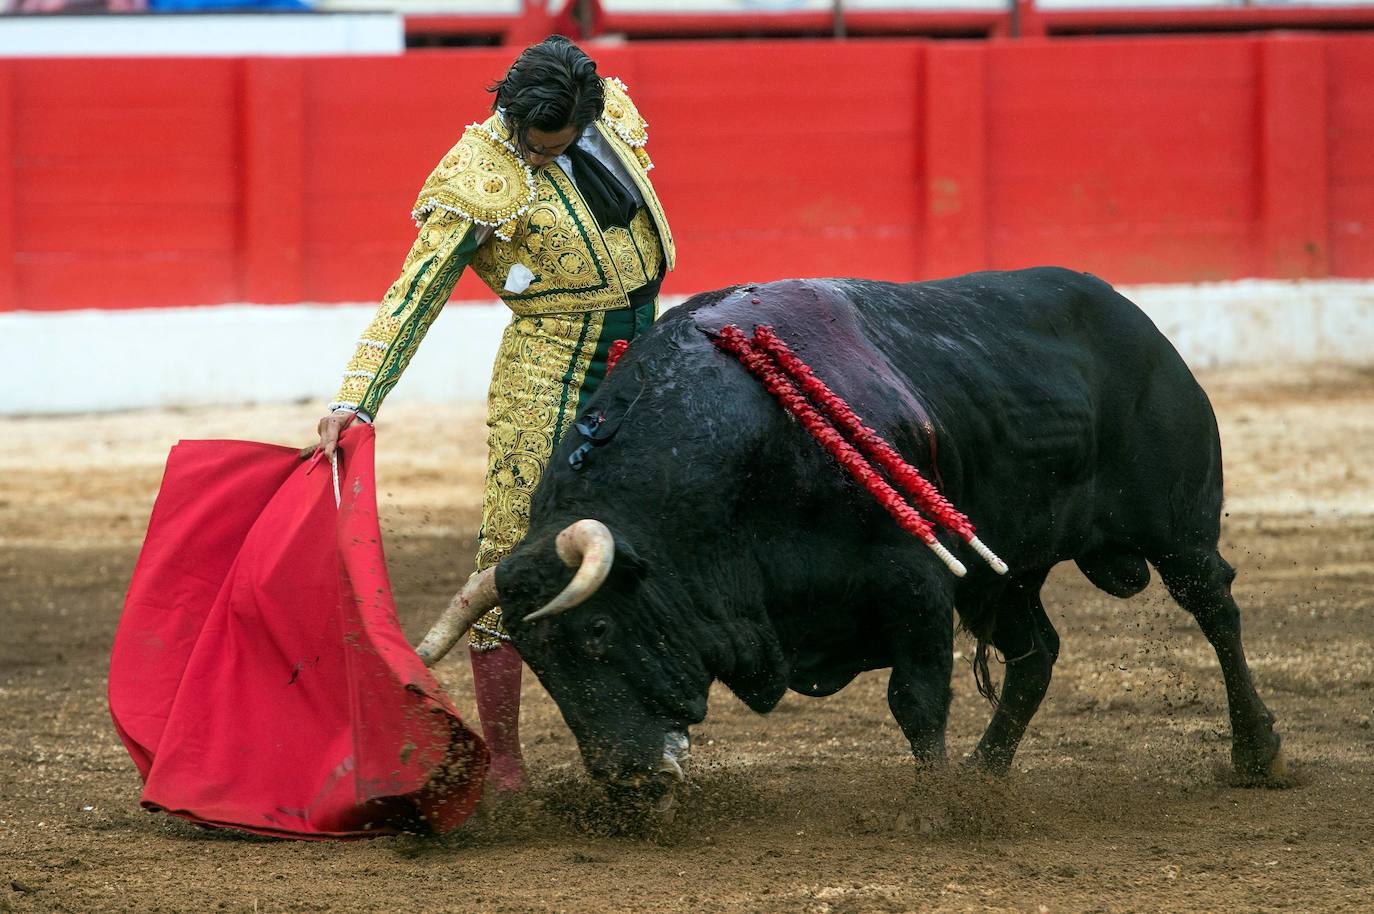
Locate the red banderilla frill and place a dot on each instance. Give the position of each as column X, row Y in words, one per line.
column 873, row 445
column 782, row 373
column 617, row 350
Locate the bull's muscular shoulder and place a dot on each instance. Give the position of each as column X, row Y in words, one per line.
column 482, row 179
column 621, row 115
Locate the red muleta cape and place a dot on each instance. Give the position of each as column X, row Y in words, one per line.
column 259, row 677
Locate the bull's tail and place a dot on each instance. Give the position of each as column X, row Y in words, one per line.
column 982, row 676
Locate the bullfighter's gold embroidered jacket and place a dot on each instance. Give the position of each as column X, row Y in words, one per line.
column 535, row 218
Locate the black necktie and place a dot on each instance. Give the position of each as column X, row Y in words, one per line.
column 606, row 197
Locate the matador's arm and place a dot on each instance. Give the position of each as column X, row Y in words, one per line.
column 445, row 245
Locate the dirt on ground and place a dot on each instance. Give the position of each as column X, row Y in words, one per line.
column 1119, row 799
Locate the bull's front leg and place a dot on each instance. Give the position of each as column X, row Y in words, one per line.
column 922, row 639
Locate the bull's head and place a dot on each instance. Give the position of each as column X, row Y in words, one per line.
column 626, row 694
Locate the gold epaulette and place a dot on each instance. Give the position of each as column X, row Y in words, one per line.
column 621, row 116
column 482, row 179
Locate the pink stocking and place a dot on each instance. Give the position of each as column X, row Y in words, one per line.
column 496, row 681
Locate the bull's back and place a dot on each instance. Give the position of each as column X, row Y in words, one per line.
column 1091, row 412
column 1028, row 394
column 1032, row 397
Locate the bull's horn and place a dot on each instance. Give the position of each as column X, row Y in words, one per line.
column 472, row 602
column 588, row 546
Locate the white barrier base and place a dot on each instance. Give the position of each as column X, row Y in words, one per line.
column 90, row 361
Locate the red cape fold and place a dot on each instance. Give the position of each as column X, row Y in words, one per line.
column 259, row 677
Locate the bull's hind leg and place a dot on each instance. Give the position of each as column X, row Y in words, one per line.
column 918, row 689
column 1024, row 636
column 1201, row 583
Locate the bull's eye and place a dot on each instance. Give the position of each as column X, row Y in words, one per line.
column 597, row 633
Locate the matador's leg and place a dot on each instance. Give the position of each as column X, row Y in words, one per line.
column 546, row 370
column 541, row 370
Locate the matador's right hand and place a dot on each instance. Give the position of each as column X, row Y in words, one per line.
column 330, row 426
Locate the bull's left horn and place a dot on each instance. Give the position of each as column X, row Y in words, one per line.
column 472, row 602
column 588, row 546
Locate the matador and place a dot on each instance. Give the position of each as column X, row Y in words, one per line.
column 549, row 201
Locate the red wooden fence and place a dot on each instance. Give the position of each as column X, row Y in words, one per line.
column 131, row 183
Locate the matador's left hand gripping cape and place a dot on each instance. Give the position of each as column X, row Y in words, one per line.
column 484, row 206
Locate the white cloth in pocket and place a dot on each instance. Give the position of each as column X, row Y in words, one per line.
column 518, row 279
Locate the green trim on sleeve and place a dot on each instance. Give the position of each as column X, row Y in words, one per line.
column 433, row 295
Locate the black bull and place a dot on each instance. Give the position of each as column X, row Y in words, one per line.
column 1047, row 407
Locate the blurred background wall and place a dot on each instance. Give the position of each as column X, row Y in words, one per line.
column 217, row 228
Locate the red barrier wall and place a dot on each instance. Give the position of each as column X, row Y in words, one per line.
column 173, row 182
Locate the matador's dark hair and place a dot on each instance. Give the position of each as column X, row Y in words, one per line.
column 550, row 86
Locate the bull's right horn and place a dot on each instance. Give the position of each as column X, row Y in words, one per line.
column 588, row 546
column 476, row 598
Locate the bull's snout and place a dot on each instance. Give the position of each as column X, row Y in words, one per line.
column 649, row 792
column 629, row 774
column 643, row 771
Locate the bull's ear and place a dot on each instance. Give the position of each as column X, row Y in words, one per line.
column 629, row 565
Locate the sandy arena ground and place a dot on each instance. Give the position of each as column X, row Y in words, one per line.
column 1119, row 800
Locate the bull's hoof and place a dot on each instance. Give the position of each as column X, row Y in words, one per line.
column 997, row 764
column 1260, row 765
column 985, row 766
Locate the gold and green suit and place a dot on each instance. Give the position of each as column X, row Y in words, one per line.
column 484, row 207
